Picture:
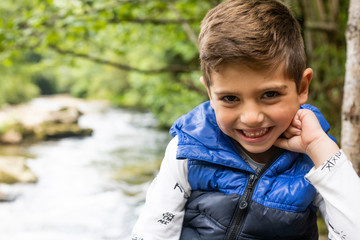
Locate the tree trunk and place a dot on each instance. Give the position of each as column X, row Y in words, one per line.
column 350, row 135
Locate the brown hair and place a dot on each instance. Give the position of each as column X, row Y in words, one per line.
column 262, row 34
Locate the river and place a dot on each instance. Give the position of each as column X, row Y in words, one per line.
column 89, row 188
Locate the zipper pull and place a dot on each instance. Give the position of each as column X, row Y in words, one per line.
column 247, row 193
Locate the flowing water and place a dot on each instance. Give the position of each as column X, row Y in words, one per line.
column 89, row 188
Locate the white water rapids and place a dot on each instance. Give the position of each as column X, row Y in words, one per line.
column 77, row 196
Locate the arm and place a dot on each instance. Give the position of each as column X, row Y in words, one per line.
column 339, row 194
column 163, row 213
column 333, row 175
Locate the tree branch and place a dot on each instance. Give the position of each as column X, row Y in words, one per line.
column 124, row 67
column 323, row 26
column 191, row 86
column 185, row 25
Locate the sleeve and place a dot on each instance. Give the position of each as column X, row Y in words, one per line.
column 338, row 188
column 163, row 212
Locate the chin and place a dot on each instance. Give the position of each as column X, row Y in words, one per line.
column 257, row 150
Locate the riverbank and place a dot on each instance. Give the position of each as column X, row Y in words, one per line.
column 45, row 118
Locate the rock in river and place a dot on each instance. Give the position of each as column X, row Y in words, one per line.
column 33, row 122
column 14, row 170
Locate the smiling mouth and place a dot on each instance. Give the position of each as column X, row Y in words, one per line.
column 255, row 133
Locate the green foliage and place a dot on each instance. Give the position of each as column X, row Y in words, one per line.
column 86, row 79
column 15, row 82
column 143, row 36
column 162, row 95
column 326, row 89
column 328, row 61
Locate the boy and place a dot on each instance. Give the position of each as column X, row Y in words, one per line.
column 255, row 162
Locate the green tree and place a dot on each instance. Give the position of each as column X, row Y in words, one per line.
column 151, row 43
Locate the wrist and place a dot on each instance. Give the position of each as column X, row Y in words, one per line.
column 322, row 149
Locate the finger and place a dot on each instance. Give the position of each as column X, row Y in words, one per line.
column 282, row 143
column 296, row 123
column 287, row 134
column 292, row 131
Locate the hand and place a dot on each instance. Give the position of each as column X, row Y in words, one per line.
column 303, row 131
column 305, row 135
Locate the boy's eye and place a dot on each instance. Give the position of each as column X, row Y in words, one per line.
column 270, row 94
column 230, row 99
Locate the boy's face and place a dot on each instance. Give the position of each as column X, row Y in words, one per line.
column 255, row 108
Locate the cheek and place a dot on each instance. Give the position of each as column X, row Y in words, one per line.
column 284, row 117
column 225, row 118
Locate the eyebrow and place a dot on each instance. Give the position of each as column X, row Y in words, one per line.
column 269, row 88
column 225, row 93
column 275, row 87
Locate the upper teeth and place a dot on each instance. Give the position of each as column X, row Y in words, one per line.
column 255, row 133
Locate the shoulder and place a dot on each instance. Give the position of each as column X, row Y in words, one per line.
column 201, row 117
column 172, row 147
column 173, row 168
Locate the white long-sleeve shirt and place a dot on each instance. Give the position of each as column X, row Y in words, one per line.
column 338, row 197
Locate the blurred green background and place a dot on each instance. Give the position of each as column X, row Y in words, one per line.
column 143, row 54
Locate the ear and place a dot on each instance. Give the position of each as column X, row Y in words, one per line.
column 304, row 85
column 202, row 80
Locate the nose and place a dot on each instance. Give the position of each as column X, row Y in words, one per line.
column 251, row 115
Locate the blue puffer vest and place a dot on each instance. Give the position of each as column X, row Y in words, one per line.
column 228, row 199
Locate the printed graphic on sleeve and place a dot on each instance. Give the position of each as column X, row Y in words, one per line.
column 136, row 238
column 167, row 218
column 341, row 234
column 330, row 164
column 181, row 189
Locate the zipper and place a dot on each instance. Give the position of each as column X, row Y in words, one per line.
column 244, row 201
column 241, row 208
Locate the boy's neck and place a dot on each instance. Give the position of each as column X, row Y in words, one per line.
column 263, row 157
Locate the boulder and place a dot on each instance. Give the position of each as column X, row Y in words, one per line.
column 14, row 170
column 64, row 115
column 11, row 136
column 61, row 130
column 42, row 119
